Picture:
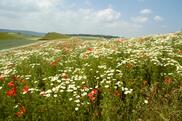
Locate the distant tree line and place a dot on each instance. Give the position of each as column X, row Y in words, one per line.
column 91, row 35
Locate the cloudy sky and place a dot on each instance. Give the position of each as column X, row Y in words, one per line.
column 112, row 17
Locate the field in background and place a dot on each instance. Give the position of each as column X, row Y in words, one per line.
column 6, row 44
column 15, row 38
column 12, row 39
column 54, row 35
column 89, row 38
column 136, row 79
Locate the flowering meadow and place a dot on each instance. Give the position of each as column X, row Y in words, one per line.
column 136, row 79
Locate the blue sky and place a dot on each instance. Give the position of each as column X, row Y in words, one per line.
column 112, row 17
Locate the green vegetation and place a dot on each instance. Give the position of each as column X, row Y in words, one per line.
column 6, row 44
column 54, row 35
column 92, row 36
column 11, row 36
column 139, row 79
column 17, row 36
column 11, row 39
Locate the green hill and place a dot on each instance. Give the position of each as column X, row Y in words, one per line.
column 11, row 36
column 16, row 36
column 54, row 35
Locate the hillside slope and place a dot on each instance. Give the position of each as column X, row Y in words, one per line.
column 54, row 35
column 17, row 36
column 10, row 36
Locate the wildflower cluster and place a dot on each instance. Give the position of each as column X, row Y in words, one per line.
column 99, row 80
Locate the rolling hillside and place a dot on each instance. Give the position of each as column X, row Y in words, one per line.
column 54, row 35
column 11, row 36
column 17, row 36
column 11, row 39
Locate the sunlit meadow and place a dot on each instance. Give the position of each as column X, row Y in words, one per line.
column 136, row 79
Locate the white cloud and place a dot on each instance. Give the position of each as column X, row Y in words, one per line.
column 158, row 18
column 143, row 16
column 47, row 15
column 140, row 19
column 80, row 21
column 108, row 14
column 44, row 4
column 146, row 12
column 27, row 5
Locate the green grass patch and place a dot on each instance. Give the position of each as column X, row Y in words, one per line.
column 54, row 35
column 6, row 44
column 11, row 36
column 16, row 36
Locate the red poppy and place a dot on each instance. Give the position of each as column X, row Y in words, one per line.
column 25, row 89
column 92, row 94
column 22, row 110
column 11, row 84
column 94, row 91
column 117, row 93
column 90, row 49
column 55, row 62
column 11, row 92
column 92, row 98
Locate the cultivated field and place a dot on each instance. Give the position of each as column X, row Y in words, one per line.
column 138, row 79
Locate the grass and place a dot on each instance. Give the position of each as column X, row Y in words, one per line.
column 10, row 39
column 139, row 79
column 6, row 44
column 11, row 36
column 54, row 35
column 16, row 36
column 90, row 38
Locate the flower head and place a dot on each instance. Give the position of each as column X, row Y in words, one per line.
column 25, row 89
column 92, row 94
column 11, row 84
column 22, row 111
column 11, row 92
